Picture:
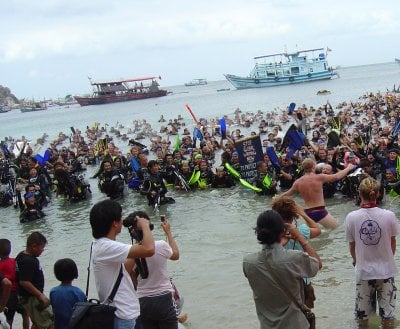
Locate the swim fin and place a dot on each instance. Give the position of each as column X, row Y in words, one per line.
column 273, row 157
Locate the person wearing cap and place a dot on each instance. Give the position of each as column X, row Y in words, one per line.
column 195, row 164
column 392, row 183
column 392, row 158
column 30, row 210
column 235, row 162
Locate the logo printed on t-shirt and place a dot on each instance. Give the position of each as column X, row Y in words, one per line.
column 370, row 232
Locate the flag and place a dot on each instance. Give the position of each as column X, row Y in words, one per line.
column 328, row 49
column 222, row 125
column 177, row 144
column 197, row 135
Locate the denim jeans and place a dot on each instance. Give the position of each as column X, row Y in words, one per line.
column 123, row 324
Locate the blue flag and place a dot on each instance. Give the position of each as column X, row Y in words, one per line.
column 43, row 159
column 222, row 125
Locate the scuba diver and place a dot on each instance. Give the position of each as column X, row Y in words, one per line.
column 222, row 179
column 30, row 210
column 111, row 181
column 72, row 186
column 154, row 188
column 263, row 180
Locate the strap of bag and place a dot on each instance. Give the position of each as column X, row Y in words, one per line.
column 116, row 286
column 114, row 290
column 282, row 286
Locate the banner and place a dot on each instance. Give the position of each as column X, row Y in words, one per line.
column 250, row 152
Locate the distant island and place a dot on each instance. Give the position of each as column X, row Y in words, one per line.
column 6, row 97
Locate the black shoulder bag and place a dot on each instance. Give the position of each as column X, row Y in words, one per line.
column 93, row 314
column 310, row 316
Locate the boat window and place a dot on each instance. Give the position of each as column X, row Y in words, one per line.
column 295, row 70
column 311, row 70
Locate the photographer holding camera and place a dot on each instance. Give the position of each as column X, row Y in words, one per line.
column 154, row 289
column 108, row 256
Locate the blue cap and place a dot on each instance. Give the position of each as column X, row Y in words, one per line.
column 28, row 195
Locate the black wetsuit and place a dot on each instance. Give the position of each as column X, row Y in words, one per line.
column 112, row 183
column 154, row 183
column 224, row 181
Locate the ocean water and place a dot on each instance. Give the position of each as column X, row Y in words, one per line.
column 213, row 229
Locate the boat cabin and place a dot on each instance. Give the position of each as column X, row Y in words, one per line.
column 292, row 64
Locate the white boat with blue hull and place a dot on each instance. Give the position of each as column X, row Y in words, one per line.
column 285, row 68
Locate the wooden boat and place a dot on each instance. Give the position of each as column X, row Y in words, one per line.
column 33, row 107
column 196, row 82
column 285, row 68
column 4, row 109
column 323, row 92
column 122, row 91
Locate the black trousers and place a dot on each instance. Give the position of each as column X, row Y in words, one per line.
column 158, row 312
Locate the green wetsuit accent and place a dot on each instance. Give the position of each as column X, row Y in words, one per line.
column 194, row 178
column 232, row 170
column 267, row 181
column 248, row 185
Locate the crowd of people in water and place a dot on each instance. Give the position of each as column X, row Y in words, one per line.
column 341, row 147
column 364, row 134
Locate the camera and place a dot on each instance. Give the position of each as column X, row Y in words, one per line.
column 162, row 218
column 131, row 223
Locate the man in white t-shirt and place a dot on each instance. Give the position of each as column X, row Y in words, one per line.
column 371, row 232
column 108, row 255
column 155, row 292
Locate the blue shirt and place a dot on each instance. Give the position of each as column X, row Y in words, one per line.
column 62, row 299
column 295, row 245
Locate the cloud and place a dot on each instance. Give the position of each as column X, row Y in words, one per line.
column 56, row 30
column 180, row 39
column 88, row 28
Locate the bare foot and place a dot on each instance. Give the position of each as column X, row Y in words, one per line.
column 182, row 318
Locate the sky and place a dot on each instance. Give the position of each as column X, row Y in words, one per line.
column 48, row 48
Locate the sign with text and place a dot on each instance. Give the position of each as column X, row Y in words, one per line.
column 250, row 152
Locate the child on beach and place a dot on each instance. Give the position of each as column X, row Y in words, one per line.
column 64, row 296
column 30, row 278
column 7, row 269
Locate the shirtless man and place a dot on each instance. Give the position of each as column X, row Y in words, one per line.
column 310, row 188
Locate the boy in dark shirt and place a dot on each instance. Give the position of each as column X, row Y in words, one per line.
column 31, row 282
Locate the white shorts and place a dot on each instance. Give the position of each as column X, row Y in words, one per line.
column 369, row 292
